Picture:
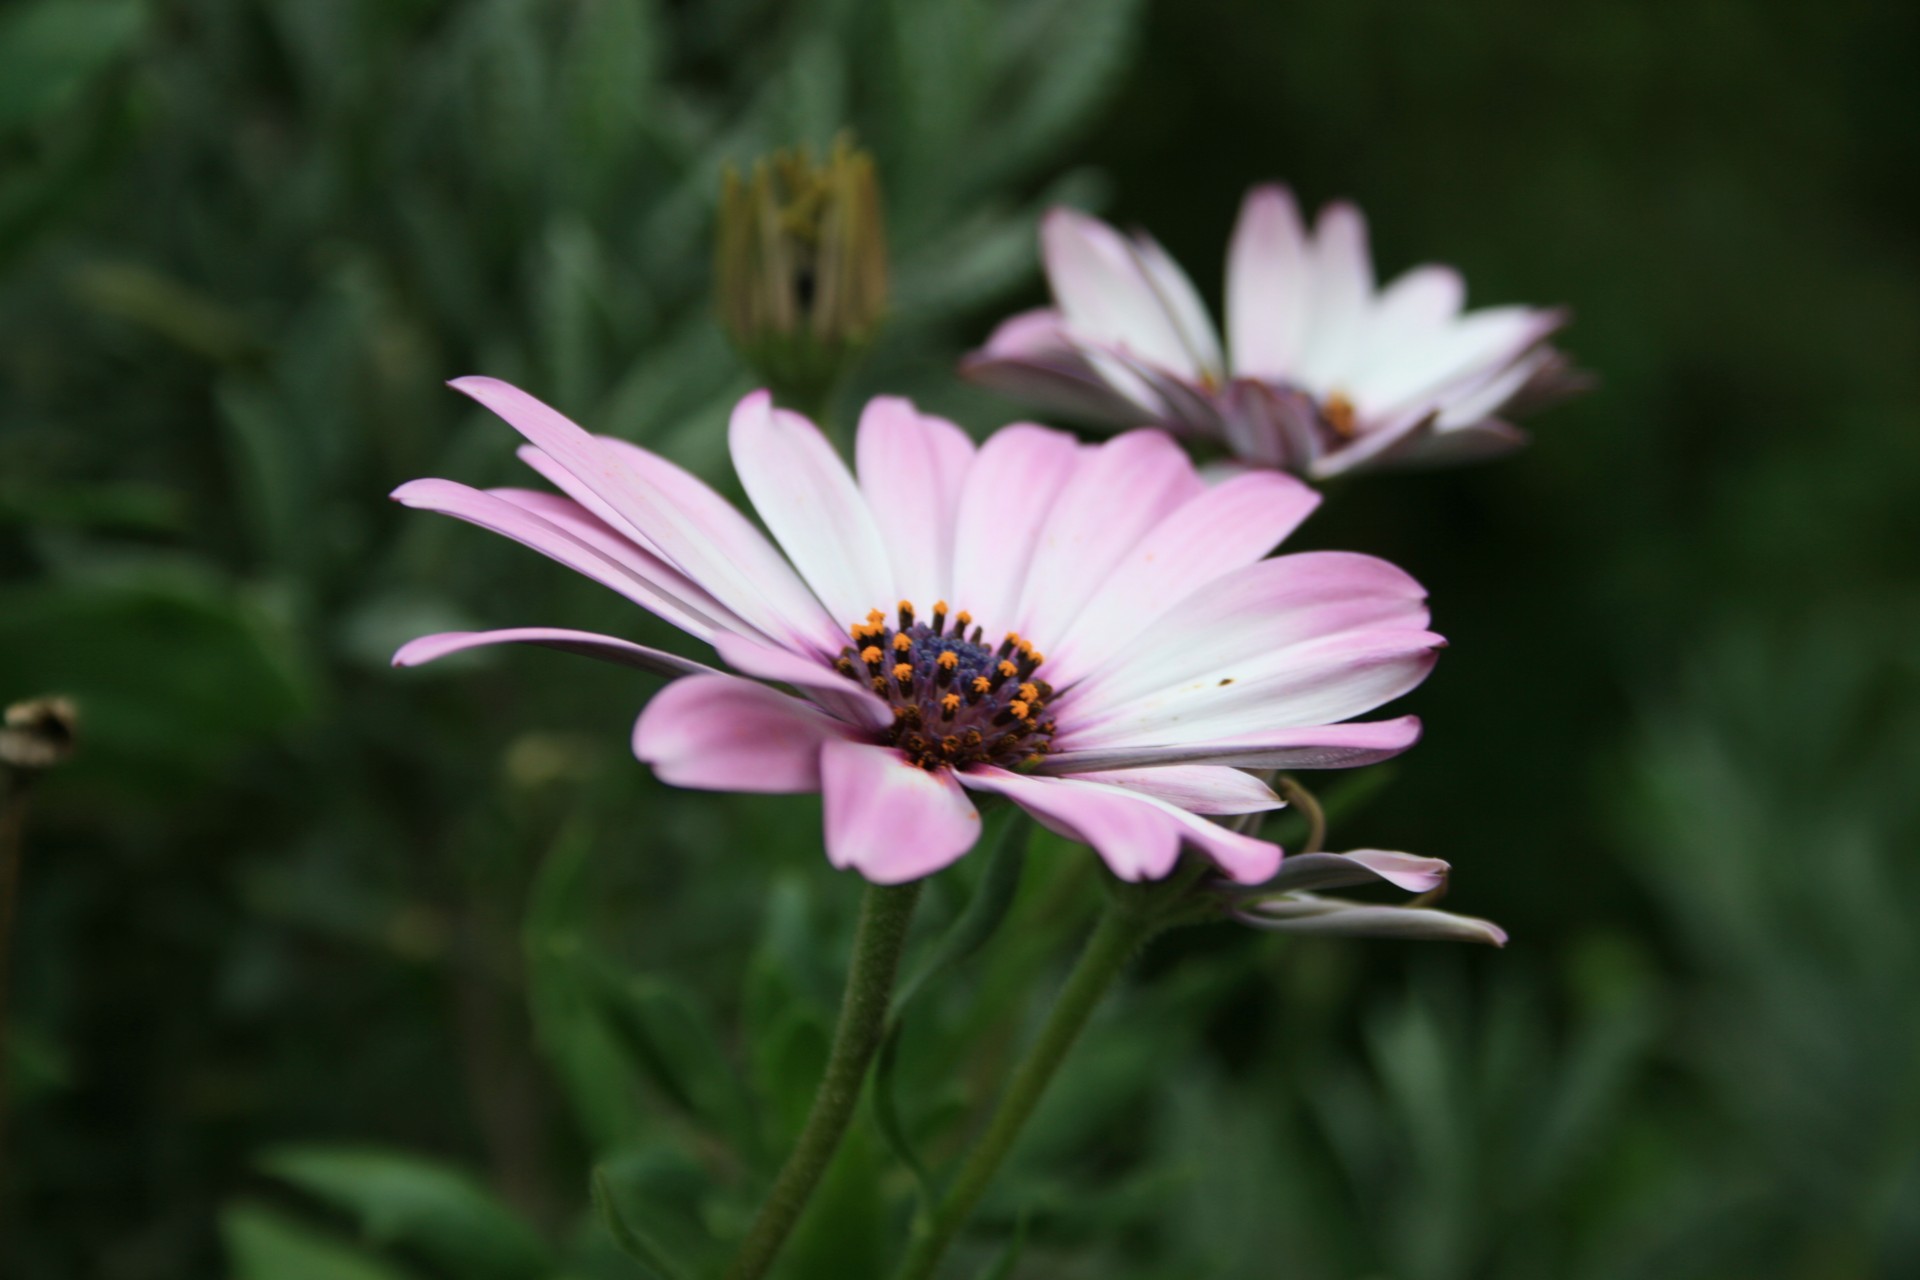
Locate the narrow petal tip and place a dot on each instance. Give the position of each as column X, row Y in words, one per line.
column 414, row 492
column 752, row 411
column 407, row 655
column 1267, row 196
column 1065, row 216
column 479, row 385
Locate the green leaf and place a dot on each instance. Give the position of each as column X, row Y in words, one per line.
column 631, row 1241
column 979, row 259
column 788, row 1061
column 167, row 307
column 175, row 670
column 676, row 1042
column 35, row 1064
column 786, row 1010
column 50, row 50
column 1085, row 46
column 608, row 1031
column 571, row 1024
column 438, row 1211
column 36, row 193
column 844, row 1232
column 129, row 505
column 782, row 974
column 986, row 910
column 263, row 1244
column 1001, row 1268
column 608, row 79
column 983, row 915
column 277, row 474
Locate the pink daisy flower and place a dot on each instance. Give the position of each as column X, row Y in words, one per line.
column 1322, row 372
column 1086, row 630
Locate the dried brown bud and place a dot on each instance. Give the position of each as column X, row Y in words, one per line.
column 38, row 734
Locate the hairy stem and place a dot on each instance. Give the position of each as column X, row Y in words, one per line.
column 885, row 913
column 1123, row 929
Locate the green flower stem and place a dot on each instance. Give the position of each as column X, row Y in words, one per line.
column 1133, row 917
column 885, row 913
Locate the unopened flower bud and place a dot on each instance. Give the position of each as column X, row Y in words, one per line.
column 802, row 267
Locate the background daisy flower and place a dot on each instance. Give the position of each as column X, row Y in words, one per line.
column 1322, row 371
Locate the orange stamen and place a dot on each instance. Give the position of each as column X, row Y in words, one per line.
column 1341, row 415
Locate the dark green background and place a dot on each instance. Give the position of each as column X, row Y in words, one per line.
column 323, row 971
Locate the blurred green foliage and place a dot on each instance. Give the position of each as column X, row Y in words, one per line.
column 327, row 972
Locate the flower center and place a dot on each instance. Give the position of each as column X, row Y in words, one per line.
column 956, row 701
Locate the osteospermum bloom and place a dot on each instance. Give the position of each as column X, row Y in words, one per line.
column 1321, row 372
column 1088, row 631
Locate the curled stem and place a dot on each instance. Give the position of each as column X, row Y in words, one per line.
column 1309, row 807
column 885, row 913
column 1129, row 921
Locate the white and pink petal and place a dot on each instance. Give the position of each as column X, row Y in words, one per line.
column 674, row 515
column 1137, row 835
column 887, row 818
column 695, row 610
column 1268, row 285
column 591, row 557
column 1119, row 491
column 1106, row 294
column 1214, row 532
column 1183, row 304
column 1315, row 871
column 1341, row 270
column 1242, row 622
column 722, row 733
column 1308, row 913
column 1318, row 683
column 588, row 644
column 1323, row 746
column 1009, row 489
column 912, row 469
column 848, row 700
column 1197, row 788
column 810, row 503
